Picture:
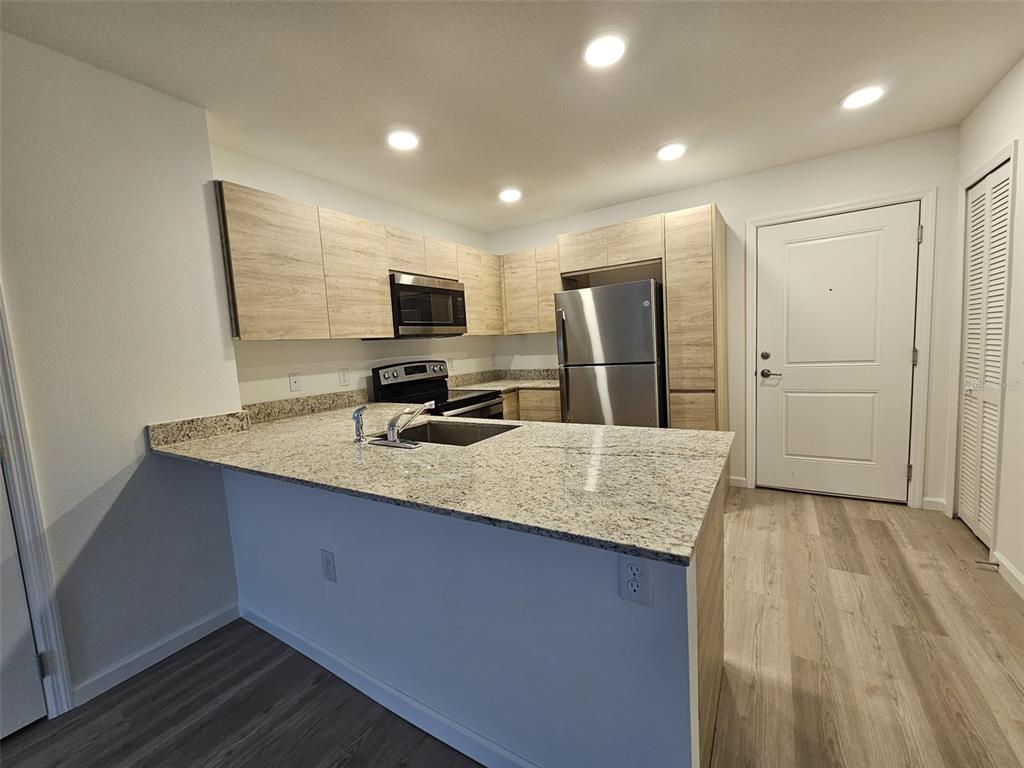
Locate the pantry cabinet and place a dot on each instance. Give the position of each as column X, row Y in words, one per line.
column 695, row 315
column 274, row 265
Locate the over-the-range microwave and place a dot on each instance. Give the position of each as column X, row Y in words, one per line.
column 427, row 306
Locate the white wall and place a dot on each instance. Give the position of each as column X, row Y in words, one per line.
column 996, row 122
column 264, row 366
column 512, row 647
column 113, row 283
column 910, row 164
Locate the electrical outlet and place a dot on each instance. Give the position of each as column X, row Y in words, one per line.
column 635, row 580
column 343, row 377
column 327, row 566
column 294, row 382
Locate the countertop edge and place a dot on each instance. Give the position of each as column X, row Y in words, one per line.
column 598, row 543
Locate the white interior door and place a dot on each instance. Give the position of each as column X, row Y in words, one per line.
column 21, row 688
column 836, row 302
column 986, row 282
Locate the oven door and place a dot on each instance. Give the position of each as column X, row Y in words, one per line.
column 492, row 409
column 427, row 306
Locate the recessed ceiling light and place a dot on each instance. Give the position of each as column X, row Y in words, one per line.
column 403, row 140
column 510, row 195
column 863, row 96
column 671, row 152
column 604, row 51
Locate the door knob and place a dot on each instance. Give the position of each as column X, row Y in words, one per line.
column 766, row 374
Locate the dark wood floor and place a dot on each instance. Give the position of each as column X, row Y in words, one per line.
column 236, row 698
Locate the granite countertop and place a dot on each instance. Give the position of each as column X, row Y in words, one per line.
column 634, row 490
column 510, row 385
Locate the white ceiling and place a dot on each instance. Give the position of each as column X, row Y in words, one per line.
column 500, row 96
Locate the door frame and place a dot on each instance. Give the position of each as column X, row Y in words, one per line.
column 922, row 325
column 30, row 534
column 1008, row 153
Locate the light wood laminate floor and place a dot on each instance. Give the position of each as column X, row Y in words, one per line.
column 864, row 635
column 858, row 635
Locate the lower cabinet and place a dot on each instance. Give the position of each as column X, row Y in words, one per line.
column 540, row 405
column 510, row 405
column 693, row 410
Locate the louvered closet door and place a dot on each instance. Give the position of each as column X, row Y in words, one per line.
column 984, row 349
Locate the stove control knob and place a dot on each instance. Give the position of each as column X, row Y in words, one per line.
column 387, row 375
column 394, row 374
column 434, row 368
column 442, row 366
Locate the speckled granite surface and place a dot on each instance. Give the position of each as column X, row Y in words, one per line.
column 469, row 380
column 271, row 410
column 511, row 385
column 167, row 432
column 629, row 489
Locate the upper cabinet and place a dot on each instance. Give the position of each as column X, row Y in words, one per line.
column 480, row 273
column 441, row 258
column 629, row 242
column 549, row 282
column 275, row 266
column 580, row 251
column 634, row 241
column 406, row 251
column 355, row 267
column 521, row 295
column 531, row 282
column 695, row 313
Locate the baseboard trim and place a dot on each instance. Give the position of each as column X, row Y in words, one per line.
column 1013, row 577
column 737, row 482
column 131, row 665
column 933, row 504
column 465, row 740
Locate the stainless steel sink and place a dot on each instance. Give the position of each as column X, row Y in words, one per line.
column 454, row 432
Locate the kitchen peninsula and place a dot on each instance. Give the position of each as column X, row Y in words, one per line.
column 549, row 596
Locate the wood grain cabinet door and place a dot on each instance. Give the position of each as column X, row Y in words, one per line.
column 689, row 299
column 356, row 269
column 470, row 263
column 510, row 406
column 540, row 405
column 636, row 240
column 406, row 251
column 276, row 266
column 581, row 251
column 549, row 282
column 494, row 294
column 442, row 260
column 692, row 410
column 520, row 271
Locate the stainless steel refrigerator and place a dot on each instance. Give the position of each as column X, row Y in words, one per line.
column 611, row 354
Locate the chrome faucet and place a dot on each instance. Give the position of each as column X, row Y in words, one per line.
column 395, row 427
column 357, row 417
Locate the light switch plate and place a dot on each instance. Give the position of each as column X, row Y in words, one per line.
column 343, row 377
column 294, row 382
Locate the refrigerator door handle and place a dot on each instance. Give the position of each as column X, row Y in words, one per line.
column 560, row 337
column 563, row 390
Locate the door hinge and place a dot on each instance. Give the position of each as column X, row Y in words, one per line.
column 43, row 664
column 910, row 471
column 920, row 233
column 913, row 357
column 3, row 449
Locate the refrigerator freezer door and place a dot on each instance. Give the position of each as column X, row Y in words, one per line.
column 626, row 395
column 609, row 324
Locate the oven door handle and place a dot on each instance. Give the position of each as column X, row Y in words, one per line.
column 474, row 407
